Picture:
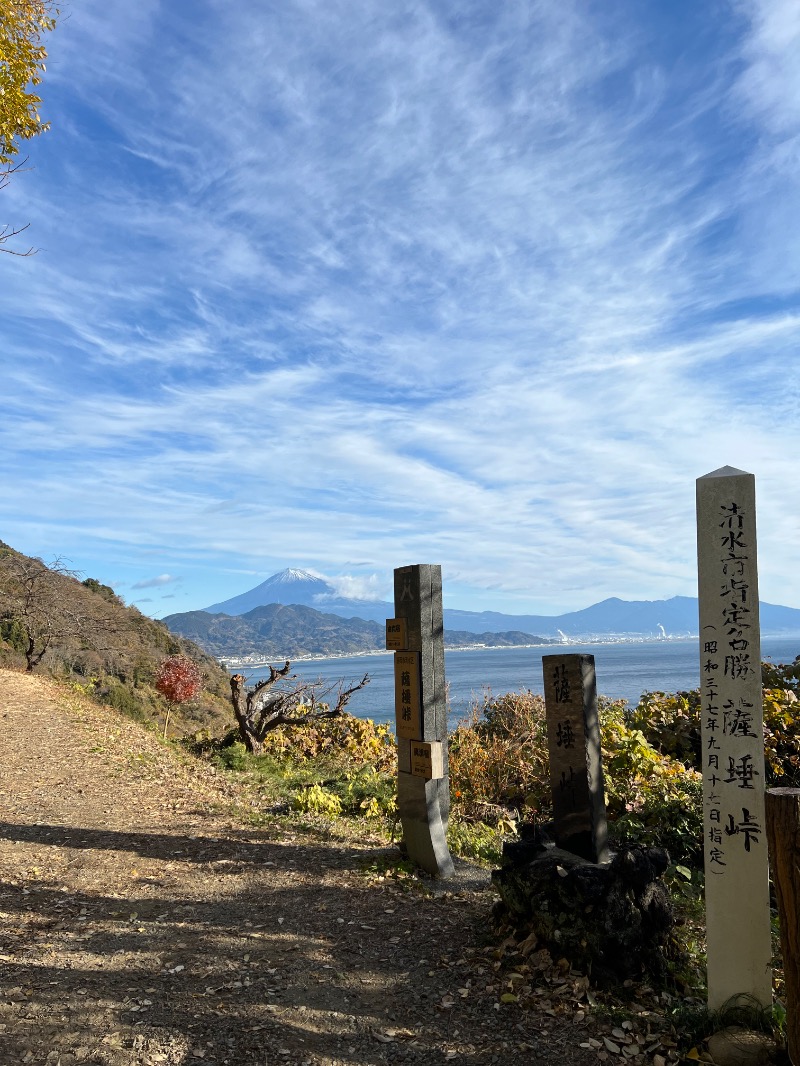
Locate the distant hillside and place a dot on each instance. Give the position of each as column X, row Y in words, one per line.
column 677, row 617
column 80, row 631
column 612, row 617
column 278, row 631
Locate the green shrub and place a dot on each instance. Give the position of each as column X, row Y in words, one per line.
column 477, row 840
column 125, row 700
column 13, row 634
column 367, row 792
column 314, row 799
column 233, row 757
column 330, row 767
column 105, row 591
column 651, row 798
column 347, row 739
column 782, row 723
column 671, row 723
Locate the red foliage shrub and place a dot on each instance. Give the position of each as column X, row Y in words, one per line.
column 179, row 679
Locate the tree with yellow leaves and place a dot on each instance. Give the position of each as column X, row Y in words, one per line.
column 23, row 23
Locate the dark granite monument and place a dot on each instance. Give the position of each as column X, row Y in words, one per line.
column 576, row 770
column 423, row 782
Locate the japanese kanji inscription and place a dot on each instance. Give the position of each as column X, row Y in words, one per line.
column 396, row 637
column 406, row 695
column 732, row 740
column 573, row 738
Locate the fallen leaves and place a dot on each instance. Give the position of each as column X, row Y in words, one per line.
column 526, row 978
column 389, row 1036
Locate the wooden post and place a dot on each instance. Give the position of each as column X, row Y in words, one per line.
column 783, row 833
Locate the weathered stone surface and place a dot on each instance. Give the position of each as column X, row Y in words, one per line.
column 783, row 832
column 424, row 829
column 735, row 1046
column 423, row 804
column 612, row 920
column 576, row 767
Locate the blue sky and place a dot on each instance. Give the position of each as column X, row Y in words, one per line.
column 348, row 285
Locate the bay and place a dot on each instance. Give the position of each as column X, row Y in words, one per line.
column 624, row 671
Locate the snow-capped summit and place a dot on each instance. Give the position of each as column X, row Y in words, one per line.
column 290, row 574
column 288, row 586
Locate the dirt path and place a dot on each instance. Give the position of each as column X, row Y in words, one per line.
column 138, row 926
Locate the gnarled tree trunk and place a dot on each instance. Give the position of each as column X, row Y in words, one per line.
column 264, row 707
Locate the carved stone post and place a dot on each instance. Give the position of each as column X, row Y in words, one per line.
column 576, row 769
column 737, row 872
column 423, row 781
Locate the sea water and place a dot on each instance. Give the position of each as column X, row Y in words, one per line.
column 624, row 671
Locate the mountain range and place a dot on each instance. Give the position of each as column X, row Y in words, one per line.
column 612, row 617
column 289, row 631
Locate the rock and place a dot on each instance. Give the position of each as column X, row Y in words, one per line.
column 736, row 1046
column 611, row 919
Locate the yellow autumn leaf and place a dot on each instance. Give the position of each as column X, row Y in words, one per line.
column 22, row 25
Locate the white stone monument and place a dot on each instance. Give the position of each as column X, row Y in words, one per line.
column 737, row 872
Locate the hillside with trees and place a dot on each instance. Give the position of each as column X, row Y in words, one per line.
column 55, row 621
column 280, row 631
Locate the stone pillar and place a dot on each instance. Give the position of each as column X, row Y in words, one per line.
column 735, row 841
column 423, row 781
column 576, row 769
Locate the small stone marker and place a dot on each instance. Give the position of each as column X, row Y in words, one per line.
column 576, row 769
column 732, row 738
column 423, row 781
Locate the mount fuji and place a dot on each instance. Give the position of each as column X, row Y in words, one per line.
column 291, row 586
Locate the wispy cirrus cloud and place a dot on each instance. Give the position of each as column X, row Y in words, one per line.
column 330, row 281
column 156, row 582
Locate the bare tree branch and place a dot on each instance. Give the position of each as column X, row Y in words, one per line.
column 36, row 597
column 7, row 232
column 268, row 705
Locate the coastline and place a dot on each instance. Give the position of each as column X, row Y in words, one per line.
column 624, row 670
column 239, row 662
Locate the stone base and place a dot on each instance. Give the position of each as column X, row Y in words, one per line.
column 612, row 921
column 424, row 807
column 735, row 1046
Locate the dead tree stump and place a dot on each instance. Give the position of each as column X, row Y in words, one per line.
column 783, row 835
